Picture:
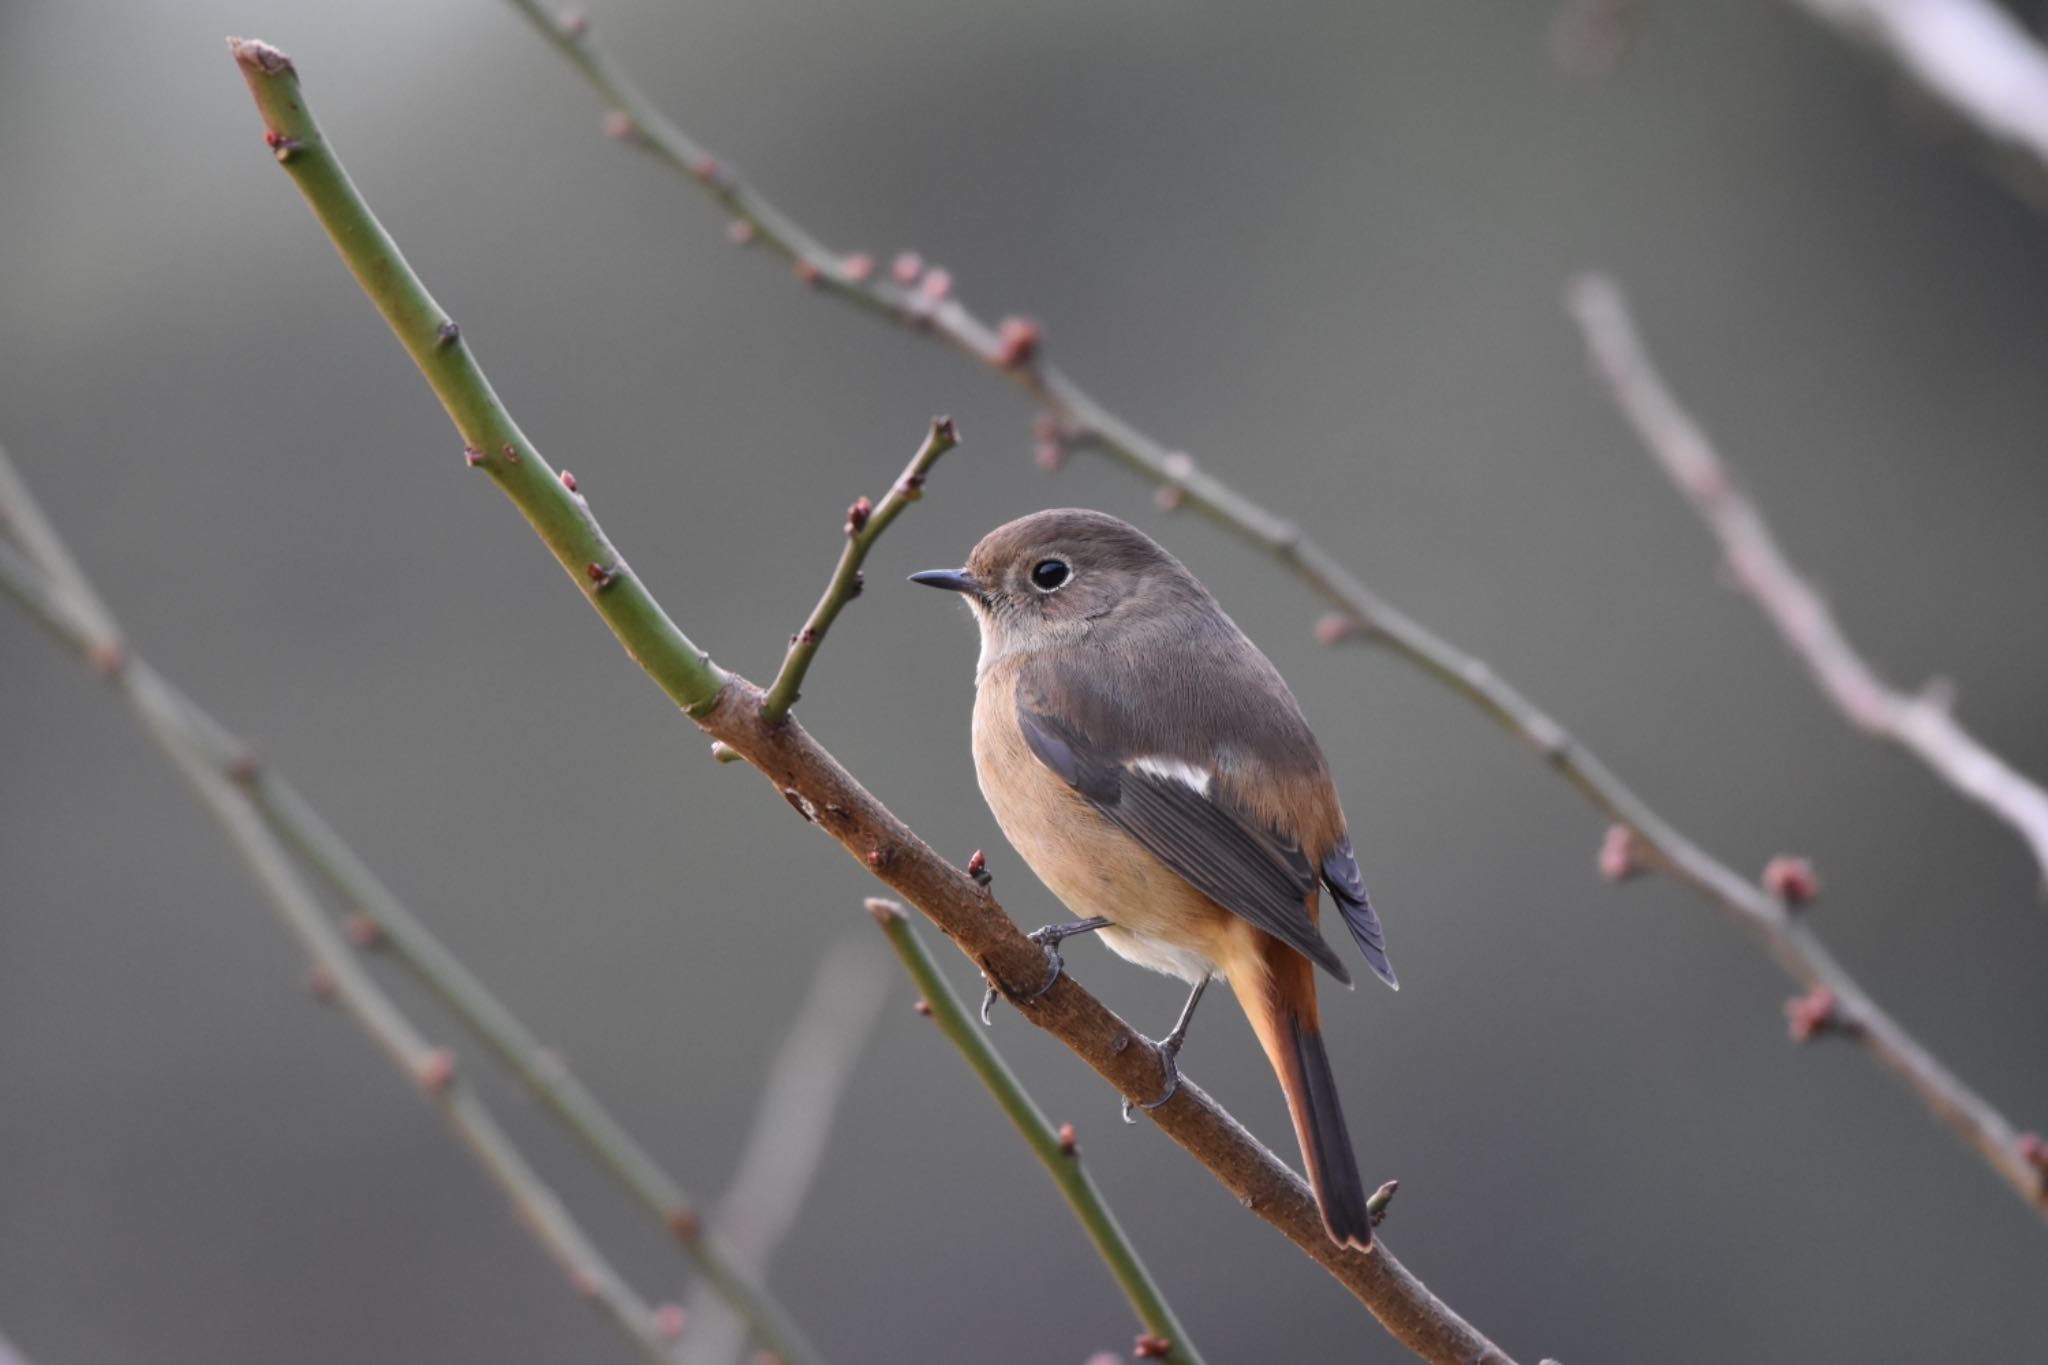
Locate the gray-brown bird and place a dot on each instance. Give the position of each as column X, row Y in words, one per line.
column 1152, row 767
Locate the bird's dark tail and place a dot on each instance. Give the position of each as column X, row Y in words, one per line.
column 1283, row 1012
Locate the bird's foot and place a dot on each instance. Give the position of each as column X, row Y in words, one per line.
column 1169, row 1052
column 1048, row 937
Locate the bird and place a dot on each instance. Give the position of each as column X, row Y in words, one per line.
column 1151, row 766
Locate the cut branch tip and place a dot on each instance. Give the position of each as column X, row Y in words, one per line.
column 885, row 911
column 260, row 57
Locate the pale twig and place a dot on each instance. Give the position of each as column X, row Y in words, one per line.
column 1055, row 1148
column 1972, row 55
column 810, row 779
column 809, row 1077
column 865, row 523
column 1922, row 724
column 1361, row 614
column 10, row 1354
column 337, row 971
column 323, row 851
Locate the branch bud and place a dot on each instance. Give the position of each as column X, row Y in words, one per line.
column 858, row 514
column 1792, row 880
column 1618, row 860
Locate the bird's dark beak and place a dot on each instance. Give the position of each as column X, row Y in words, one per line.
column 952, row 580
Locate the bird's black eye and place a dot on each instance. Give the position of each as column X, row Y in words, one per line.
column 1048, row 575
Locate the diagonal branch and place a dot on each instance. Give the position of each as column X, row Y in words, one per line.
column 1976, row 58
column 1053, row 1147
column 865, row 523
column 57, row 591
column 1073, row 416
column 1922, row 725
column 810, row 779
column 43, row 590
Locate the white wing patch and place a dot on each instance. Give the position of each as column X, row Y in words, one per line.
column 1173, row 770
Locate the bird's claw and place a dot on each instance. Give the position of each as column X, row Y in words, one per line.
column 1168, row 1052
column 1047, row 938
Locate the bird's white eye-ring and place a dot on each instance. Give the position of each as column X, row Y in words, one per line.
column 1050, row 575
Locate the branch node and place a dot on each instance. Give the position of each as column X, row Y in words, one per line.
column 807, row 271
column 857, row 268
column 1817, row 1012
column 601, row 576
column 706, row 170
column 472, row 457
column 109, row 659
column 670, row 1321
column 1618, row 854
column 801, row 804
column 1017, row 342
column 1149, row 1347
column 1792, row 881
column 740, row 232
column 936, row 286
column 511, row 453
column 245, row 767
column 363, row 932
column 620, row 127
column 1068, row 1145
column 320, row 983
column 857, row 515
column 574, row 22
column 923, row 1007
column 881, row 856
column 436, row 1071
column 568, row 480
column 285, row 148
column 684, row 1224
column 725, row 753
column 447, row 334
column 906, row 268
column 977, row 868
column 1376, row 1206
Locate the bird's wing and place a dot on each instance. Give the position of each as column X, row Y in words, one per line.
column 1175, row 810
column 1347, row 888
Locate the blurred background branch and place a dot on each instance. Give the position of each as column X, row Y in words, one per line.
column 41, row 576
column 1923, row 724
column 798, row 1106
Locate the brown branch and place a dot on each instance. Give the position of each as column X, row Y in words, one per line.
column 1073, row 417
column 730, row 709
column 1921, row 724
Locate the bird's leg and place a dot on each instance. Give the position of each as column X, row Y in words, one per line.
column 1169, row 1051
column 1049, row 938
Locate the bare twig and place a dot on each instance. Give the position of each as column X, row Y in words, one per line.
column 51, row 591
column 1073, row 417
column 810, row 779
column 865, row 523
column 1789, row 939
column 1054, row 1147
column 798, row 1104
column 1921, row 724
column 1971, row 55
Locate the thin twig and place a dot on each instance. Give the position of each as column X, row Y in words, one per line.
column 811, row 780
column 1075, row 418
column 1054, row 1147
column 1972, row 55
column 63, row 589
column 1921, row 724
column 807, row 1081
column 338, row 972
column 540, row 1068
column 865, row 523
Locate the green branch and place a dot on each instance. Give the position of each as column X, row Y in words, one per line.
column 864, row 526
column 1053, row 1147
column 492, row 441
column 817, row 787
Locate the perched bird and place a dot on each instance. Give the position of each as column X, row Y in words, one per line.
column 1151, row 766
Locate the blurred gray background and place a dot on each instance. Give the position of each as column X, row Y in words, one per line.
column 1321, row 247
